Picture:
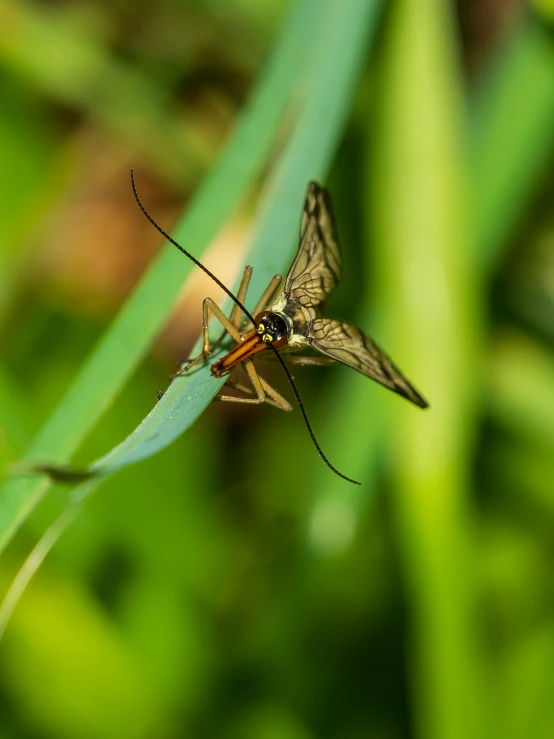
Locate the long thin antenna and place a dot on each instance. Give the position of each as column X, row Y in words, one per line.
column 250, row 318
column 186, row 253
column 306, row 421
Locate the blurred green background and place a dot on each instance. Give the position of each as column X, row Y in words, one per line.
column 230, row 586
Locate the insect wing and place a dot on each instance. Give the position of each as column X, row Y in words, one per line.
column 352, row 347
column 317, row 266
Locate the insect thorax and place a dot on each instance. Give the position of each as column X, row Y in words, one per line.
column 298, row 318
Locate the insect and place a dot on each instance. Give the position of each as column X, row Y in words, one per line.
column 290, row 321
column 286, row 320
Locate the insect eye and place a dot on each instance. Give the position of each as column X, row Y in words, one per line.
column 267, row 338
column 260, row 328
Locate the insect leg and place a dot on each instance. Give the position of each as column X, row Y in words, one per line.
column 271, row 396
column 236, row 313
column 237, row 386
column 274, row 397
column 208, row 306
column 264, row 300
column 310, row 361
column 268, row 292
column 306, row 361
column 256, row 383
column 235, row 319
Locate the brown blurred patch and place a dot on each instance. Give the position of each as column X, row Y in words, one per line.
column 98, row 243
column 482, row 22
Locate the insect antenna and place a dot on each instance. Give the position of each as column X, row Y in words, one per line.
column 186, row 253
column 307, row 422
column 250, row 318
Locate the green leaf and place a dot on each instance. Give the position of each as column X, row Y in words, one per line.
column 508, row 145
column 431, row 299
column 341, row 33
column 132, row 332
column 520, row 373
column 46, row 648
column 510, row 137
column 307, row 156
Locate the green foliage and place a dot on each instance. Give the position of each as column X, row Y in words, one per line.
column 132, row 332
column 226, row 583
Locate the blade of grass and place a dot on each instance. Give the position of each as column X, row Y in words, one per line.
column 510, row 142
column 526, row 680
column 508, row 146
column 38, row 555
column 520, row 376
column 305, row 157
column 132, row 332
column 425, row 268
column 15, row 413
column 79, row 660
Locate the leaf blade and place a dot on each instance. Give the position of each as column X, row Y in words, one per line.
column 306, row 157
column 131, row 333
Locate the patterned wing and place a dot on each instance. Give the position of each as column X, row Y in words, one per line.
column 349, row 345
column 317, row 266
